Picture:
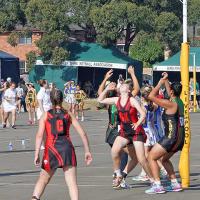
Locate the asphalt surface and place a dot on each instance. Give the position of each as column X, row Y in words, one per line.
column 18, row 175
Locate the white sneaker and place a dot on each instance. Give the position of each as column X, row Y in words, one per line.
column 125, row 185
column 42, row 148
column 82, row 119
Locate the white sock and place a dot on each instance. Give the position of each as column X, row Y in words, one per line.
column 157, row 182
column 118, row 172
column 174, row 180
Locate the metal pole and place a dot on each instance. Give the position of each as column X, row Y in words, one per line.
column 184, row 163
column 184, row 21
column 194, row 83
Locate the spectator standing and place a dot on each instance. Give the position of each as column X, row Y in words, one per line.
column 10, row 104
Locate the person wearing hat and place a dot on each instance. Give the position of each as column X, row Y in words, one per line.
column 31, row 103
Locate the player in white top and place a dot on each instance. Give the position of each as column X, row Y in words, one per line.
column 43, row 98
column 10, row 104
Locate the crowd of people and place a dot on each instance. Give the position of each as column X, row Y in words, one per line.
column 146, row 127
column 15, row 97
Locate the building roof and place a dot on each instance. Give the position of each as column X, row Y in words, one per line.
column 173, row 63
column 4, row 55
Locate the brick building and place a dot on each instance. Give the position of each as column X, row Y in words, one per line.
column 24, row 46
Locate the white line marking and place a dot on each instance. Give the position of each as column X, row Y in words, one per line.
column 50, row 184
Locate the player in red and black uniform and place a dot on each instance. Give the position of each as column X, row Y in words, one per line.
column 59, row 151
column 130, row 130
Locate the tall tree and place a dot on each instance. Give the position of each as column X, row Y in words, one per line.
column 52, row 17
column 147, row 48
column 11, row 14
column 194, row 14
column 121, row 19
column 168, row 30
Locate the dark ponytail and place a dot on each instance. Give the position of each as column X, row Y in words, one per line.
column 56, row 97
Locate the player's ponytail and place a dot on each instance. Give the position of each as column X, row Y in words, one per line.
column 56, row 97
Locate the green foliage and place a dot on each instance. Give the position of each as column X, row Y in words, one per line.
column 120, row 19
column 107, row 20
column 193, row 12
column 173, row 6
column 51, row 41
column 48, row 15
column 147, row 49
column 30, row 59
column 11, row 14
column 168, row 29
column 13, row 39
column 59, row 55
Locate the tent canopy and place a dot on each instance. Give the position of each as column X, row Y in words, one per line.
column 4, row 55
column 9, row 66
column 173, row 63
column 94, row 55
column 88, row 61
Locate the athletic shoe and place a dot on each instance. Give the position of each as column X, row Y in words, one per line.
column 4, row 126
column 42, row 147
column 155, row 189
column 140, row 178
column 117, row 182
column 124, row 185
column 174, row 187
column 29, row 122
column 13, row 126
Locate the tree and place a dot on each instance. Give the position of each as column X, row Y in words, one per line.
column 121, row 19
column 168, row 30
column 53, row 18
column 11, row 14
column 147, row 49
column 172, row 6
column 193, row 14
column 30, row 59
column 50, row 42
column 59, row 55
column 48, row 15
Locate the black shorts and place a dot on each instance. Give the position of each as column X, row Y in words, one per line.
column 172, row 144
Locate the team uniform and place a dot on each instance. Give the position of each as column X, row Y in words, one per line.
column 159, row 122
column 70, row 98
column 59, row 150
column 31, row 98
column 80, row 96
column 149, row 127
column 128, row 115
column 112, row 130
column 173, row 140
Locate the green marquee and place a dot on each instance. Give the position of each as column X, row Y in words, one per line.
column 173, row 63
column 88, row 61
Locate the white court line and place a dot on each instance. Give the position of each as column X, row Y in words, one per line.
column 50, row 184
column 79, row 168
column 59, row 175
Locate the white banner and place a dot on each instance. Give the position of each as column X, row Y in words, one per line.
column 94, row 64
column 173, row 68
